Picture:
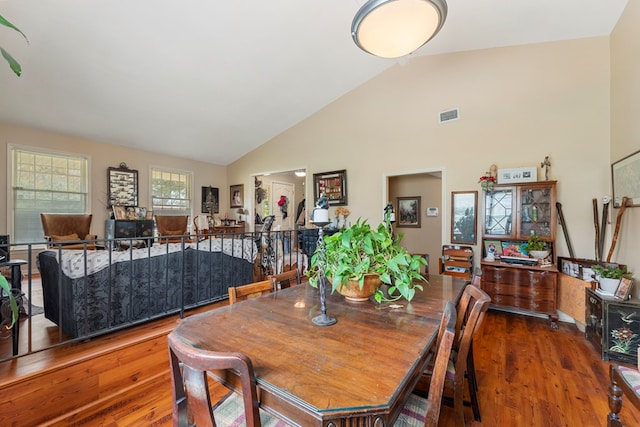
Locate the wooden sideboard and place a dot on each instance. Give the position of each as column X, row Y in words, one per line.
column 526, row 288
column 226, row 229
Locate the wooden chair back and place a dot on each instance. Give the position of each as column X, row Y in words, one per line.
column 624, row 380
column 251, row 290
column 446, row 336
column 62, row 227
column 191, row 397
column 201, row 224
column 171, row 225
column 286, row 279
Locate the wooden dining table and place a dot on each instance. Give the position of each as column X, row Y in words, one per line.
column 358, row 372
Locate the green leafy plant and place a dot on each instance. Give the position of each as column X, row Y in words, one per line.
column 611, row 272
column 15, row 66
column 359, row 250
column 535, row 243
column 4, row 284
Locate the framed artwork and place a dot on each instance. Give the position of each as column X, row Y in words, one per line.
column 493, row 245
column 464, row 207
column 210, row 200
column 510, row 176
column 408, row 213
column 236, row 193
column 122, row 186
column 119, row 211
column 625, row 176
column 333, row 185
column 624, row 289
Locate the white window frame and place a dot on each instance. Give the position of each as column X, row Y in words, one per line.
column 11, row 179
column 190, row 198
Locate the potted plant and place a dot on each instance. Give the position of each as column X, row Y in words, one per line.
column 536, row 247
column 4, row 284
column 360, row 254
column 609, row 276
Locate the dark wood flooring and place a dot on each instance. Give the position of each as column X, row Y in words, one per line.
column 528, row 374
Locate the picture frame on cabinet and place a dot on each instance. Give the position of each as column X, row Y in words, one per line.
column 624, row 178
column 496, row 245
column 623, row 291
column 515, row 175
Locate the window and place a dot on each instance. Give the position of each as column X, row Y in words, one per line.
column 171, row 192
column 44, row 181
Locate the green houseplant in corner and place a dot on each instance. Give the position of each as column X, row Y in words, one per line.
column 359, row 251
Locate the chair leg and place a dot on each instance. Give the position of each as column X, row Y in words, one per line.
column 458, row 404
column 473, row 396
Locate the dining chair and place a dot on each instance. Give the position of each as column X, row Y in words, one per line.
column 192, row 406
column 419, row 411
column 624, row 380
column 173, row 227
column 251, row 290
column 286, row 279
column 471, row 309
column 202, row 226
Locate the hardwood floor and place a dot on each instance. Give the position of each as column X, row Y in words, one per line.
column 528, row 374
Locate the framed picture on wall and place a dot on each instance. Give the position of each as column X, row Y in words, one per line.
column 236, row 192
column 122, row 186
column 333, row 185
column 464, row 205
column 625, row 175
column 210, row 200
column 408, row 213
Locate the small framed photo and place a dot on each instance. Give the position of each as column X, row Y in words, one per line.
column 119, row 211
column 408, row 212
column 624, row 289
column 494, row 246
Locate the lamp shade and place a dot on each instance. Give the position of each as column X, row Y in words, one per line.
column 394, row 28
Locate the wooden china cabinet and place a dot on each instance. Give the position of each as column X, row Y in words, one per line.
column 511, row 215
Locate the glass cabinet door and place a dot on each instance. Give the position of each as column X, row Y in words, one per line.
column 498, row 212
column 535, row 212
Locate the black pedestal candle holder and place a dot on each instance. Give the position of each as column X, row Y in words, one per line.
column 322, row 319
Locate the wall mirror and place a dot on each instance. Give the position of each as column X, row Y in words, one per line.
column 464, row 205
column 122, row 186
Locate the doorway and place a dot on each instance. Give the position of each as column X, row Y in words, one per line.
column 428, row 237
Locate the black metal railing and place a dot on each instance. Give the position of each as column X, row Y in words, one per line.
column 113, row 284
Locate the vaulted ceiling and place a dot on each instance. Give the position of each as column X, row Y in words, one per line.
column 212, row 80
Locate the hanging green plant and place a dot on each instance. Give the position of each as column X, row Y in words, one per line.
column 15, row 66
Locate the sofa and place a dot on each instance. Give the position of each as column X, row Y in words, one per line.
column 93, row 292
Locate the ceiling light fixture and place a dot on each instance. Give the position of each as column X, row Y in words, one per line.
column 301, row 173
column 394, row 28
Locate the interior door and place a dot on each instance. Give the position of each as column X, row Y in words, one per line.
column 283, row 205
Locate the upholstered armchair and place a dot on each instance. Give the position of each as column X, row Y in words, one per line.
column 172, row 226
column 62, row 227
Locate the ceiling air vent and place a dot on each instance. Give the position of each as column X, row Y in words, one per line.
column 449, row 115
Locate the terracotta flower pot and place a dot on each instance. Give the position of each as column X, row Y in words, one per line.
column 352, row 292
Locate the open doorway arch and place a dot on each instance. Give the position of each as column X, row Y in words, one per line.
column 429, row 186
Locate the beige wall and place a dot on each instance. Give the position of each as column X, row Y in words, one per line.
column 427, row 238
column 517, row 105
column 625, row 121
column 103, row 156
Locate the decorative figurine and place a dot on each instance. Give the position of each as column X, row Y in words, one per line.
column 546, row 164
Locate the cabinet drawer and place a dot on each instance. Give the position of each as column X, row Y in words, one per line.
column 520, row 277
column 518, row 291
column 537, row 305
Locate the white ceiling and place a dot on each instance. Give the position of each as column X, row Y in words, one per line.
column 212, row 80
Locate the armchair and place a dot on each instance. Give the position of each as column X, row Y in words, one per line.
column 172, row 226
column 61, row 227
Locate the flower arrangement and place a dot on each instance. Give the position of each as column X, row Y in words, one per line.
column 487, row 181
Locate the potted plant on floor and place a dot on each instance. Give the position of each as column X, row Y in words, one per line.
column 360, row 258
column 609, row 276
column 4, row 284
